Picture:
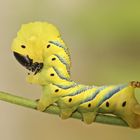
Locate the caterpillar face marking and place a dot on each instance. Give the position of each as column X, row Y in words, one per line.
column 28, row 63
column 23, row 60
column 45, row 53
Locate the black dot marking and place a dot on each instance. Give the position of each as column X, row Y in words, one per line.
column 124, row 104
column 70, row 99
column 53, row 59
column 89, row 105
column 56, row 90
column 48, row 46
column 23, row 46
column 107, row 104
column 52, row 74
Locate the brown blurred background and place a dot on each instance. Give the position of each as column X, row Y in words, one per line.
column 104, row 40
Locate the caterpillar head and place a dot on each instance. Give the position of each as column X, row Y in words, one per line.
column 30, row 42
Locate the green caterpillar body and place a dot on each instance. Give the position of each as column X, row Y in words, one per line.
column 51, row 70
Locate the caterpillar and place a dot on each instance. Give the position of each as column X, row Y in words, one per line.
column 39, row 47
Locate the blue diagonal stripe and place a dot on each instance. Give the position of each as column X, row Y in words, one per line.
column 111, row 93
column 63, row 62
column 58, row 44
column 94, row 94
column 60, row 75
column 66, row 86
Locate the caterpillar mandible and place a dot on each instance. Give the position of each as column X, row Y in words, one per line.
column 39, row 48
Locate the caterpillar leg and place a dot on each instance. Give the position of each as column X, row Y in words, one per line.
column 44, row 102
column 89, row 117
column 135, row 84
column 67, row 112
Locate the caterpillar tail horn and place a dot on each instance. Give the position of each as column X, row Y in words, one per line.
column 135, row 84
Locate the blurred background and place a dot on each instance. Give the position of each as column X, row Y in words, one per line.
column 104, row 40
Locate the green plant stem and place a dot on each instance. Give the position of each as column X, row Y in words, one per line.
column 105, row 119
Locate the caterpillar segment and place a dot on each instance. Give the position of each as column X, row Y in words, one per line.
column 52, row 93
column 59, row 50
column 57, row 63
column 70, row 103
column 89, row 107
column 40, row 49
column 124, row 105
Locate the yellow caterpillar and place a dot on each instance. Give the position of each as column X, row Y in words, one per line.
column 40, row 49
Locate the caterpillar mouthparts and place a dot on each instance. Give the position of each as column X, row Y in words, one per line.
column 135, row 84
column 28, row 63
